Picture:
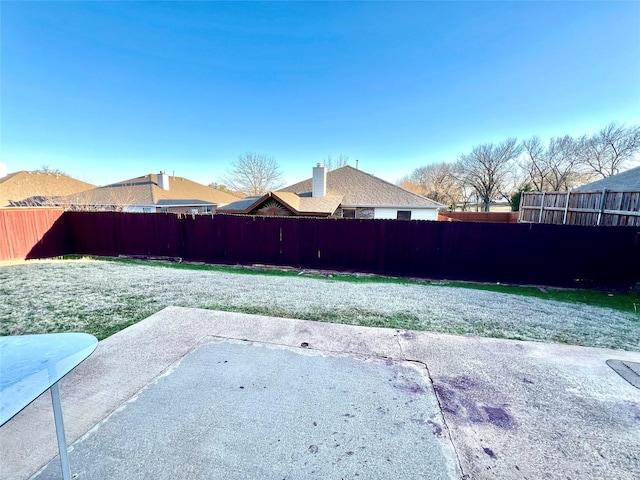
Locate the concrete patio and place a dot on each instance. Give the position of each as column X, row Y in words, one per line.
column 204, row 394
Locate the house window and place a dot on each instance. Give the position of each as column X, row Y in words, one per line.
column 194, row 211
column 164, row 209
column 403, row 215
column 147, row 210
column 348, row 213
column 206, row 209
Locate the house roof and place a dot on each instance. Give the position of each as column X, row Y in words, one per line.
column 361, row 189
column 627, row 181
column 31, row 188
column 299, row 205
column 145, row 191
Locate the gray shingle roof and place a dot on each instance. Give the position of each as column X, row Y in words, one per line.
column 363, row 189
column 32, row 188
column 145, row 191
column 627, row 181
column 242, row 205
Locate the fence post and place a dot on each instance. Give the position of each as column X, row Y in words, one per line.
column 541, row 208
column 601, row 209
column 522, row 195
column 566, row 208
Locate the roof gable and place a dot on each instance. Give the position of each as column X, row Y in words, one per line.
column 358, row 188
column 276, row 203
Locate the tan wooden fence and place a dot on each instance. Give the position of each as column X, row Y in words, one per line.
column 605, row 208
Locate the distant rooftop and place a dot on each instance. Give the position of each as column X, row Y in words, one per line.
column 358, row 188
column 145, row 190
column 627, row 181
column 25, row 188
column 345, row 186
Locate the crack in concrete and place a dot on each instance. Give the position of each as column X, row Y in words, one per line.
column 464, row 476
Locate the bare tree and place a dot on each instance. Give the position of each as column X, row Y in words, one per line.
column 341, row 161
column 437, row 182
column 408, row 184
column 120, row 198
column 553, row 167
column 220, row 186
column 468, row 198
column 609, row 150
column 53, row 171
column 489, row 170
column 534, row 162
column 254, row 174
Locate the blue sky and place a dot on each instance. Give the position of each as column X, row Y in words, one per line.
column 107, row 91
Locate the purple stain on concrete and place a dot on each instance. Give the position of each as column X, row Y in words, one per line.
column 456, row 399
column 489, row 452
column 458, row 405
column 474, row 415
column 447, row 399
column 499, row 417
column 462, row 383
column 437, row 429
column 411, row 387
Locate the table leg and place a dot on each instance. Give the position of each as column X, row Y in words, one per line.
column 62, row 442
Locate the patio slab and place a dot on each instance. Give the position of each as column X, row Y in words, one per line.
column 508, row 409
column 238, row 410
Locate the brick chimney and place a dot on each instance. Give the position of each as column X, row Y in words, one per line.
column 163, row 180
column 319, row 181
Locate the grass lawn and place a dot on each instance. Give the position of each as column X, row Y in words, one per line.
column 103, row 297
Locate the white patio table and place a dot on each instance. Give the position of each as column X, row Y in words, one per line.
column 31, row 364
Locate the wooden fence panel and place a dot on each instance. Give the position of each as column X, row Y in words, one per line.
column 204, row 240
column 524, row 253
column 32, row 233
column 495, row 217
column 158, row 235
column 604, row 208
column 116, row 233
column 93, row 233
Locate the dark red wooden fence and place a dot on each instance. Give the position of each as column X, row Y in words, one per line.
column 558, row 255
column 32, row 233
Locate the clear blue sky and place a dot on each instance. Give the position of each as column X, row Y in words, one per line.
column 107, row 91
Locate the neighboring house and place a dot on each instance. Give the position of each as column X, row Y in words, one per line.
column 31, row 189
column 345, row 193
column 151, row 193
column 627, row 181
